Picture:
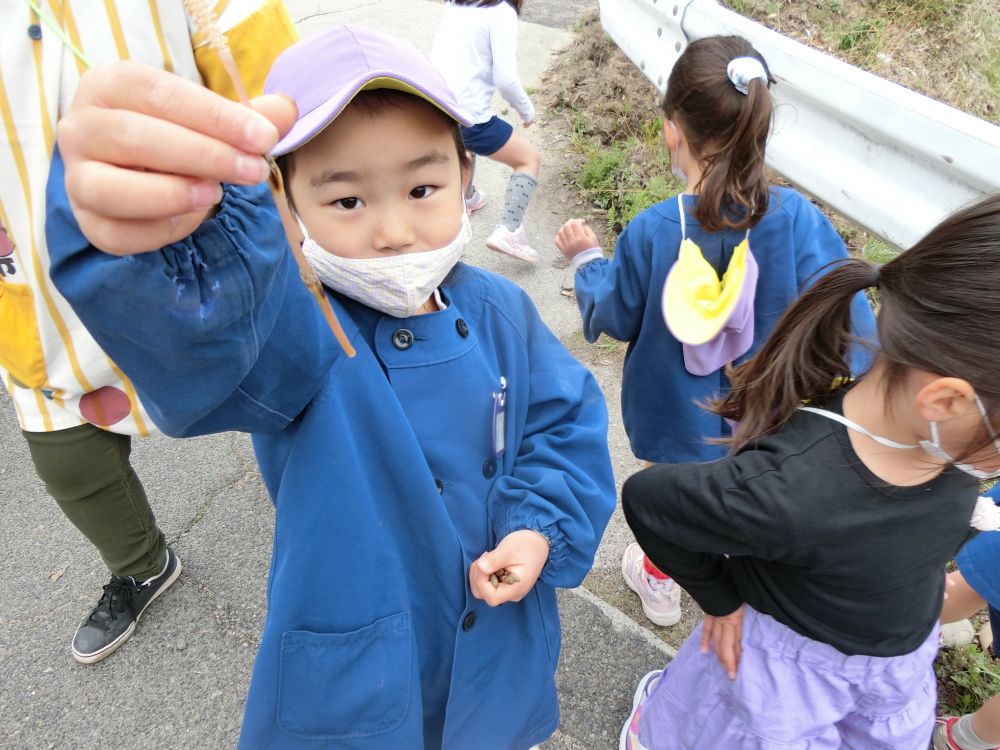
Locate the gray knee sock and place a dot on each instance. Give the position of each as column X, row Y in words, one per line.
column 967, row 739
column 472, row 179
column 520, row 188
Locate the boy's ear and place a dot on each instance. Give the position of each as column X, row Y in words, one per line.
column 941, row 399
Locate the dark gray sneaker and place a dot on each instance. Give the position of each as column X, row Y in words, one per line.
column 114, row 618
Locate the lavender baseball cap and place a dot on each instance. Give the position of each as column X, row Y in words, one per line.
column 323, row 73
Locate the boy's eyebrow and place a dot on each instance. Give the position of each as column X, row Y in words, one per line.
column 333, row 175
column 336, row 175
column 432, row 157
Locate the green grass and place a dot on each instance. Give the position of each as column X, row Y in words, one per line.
column 863, row 40
column 627, row 177
column 967, row 678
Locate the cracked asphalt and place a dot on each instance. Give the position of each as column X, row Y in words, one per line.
column 181, row 681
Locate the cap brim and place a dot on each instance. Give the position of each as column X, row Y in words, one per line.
column 312, row 123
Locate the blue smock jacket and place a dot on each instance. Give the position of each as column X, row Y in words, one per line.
column 383, row 472
column 621, row 298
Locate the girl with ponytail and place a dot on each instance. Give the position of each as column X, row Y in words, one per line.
column 699, row 281
column 817, row 548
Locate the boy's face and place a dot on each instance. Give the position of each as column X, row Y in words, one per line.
column 380, row 182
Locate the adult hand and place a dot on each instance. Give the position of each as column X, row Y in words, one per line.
column 574, row 237
column 145, row 153
column 724, row 634
column 521, row 552
column 527, row 124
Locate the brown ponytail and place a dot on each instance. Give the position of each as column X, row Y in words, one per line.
column 805, row 355
column 939, row 313
column 727, row 131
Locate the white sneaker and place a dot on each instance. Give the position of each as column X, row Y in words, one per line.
column 661, row 599
column 475, row 202
column 514, row 244
column 957, row 634
column 629, row 737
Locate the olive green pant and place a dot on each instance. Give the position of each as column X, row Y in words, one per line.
column 87, row 471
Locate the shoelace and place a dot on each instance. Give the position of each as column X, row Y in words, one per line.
column 118, row 596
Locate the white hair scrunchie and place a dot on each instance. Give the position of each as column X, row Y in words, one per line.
column 742, row 70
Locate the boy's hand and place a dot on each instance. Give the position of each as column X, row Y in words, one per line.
column 725, row 634
column 574, row 237
column 145, row 153
column 523, row 553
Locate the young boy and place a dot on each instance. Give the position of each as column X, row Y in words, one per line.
column 461, row 441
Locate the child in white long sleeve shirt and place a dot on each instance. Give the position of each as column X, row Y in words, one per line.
column 476, row 52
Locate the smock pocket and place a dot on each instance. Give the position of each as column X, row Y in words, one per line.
column 21, row 354
column 345, row 685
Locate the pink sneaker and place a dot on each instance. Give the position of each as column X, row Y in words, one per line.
column 514, row 244
column 476, row 202
column 629, row 738
column 661, row 599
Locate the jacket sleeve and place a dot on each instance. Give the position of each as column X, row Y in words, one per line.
column 503, row 45
column 611, row 293
column 817, row 245
column 689, row 517
column 216, row 331
column 561, row 483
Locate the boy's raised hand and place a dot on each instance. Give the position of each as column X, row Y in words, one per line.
column 523, row 553
column 145, row 153
column 725, row 635
column 574, row 237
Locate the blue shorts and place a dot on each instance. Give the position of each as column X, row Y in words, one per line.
column 487, row 137
column 979, row 561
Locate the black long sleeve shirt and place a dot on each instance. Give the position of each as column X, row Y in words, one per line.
column 814, row 539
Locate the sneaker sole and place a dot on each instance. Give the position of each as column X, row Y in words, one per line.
column 623, row 737
column 664, row 621
column 497, row 248
column 105, row 652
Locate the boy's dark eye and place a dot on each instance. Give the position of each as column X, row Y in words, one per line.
column 422, row 191
column 347, row 202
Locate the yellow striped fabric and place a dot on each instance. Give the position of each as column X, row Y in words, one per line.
column 56, row 374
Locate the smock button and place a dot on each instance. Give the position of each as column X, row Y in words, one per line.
column 462, row 327
column 469, row 621
column 440, row 485
column 402, row 339
column 35, row 31
column 490, row 467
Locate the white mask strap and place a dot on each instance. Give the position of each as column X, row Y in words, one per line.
column 852, row 425
column 680, row 208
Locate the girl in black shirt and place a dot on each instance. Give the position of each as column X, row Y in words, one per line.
column 817, row 547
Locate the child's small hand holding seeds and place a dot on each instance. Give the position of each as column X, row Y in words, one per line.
column 508, row 573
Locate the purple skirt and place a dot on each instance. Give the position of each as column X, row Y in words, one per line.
column 792, row 693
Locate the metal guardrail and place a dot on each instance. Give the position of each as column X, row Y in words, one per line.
column 882, row 156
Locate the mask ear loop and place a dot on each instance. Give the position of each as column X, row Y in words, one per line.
column 680, row 210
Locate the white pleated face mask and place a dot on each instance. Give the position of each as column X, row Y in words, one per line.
column 397, row 285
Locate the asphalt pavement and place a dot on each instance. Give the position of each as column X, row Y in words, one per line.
column 181, row 681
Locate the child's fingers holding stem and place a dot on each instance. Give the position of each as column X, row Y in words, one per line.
column 142, row 145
